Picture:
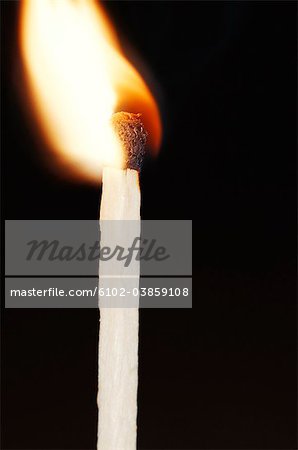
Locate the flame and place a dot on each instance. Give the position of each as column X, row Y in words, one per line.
column 77, row 77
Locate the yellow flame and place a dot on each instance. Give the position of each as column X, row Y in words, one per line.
column 77, row 77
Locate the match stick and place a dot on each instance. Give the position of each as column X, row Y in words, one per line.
column 119, row 327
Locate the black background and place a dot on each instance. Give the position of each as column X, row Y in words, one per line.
column 222, row 375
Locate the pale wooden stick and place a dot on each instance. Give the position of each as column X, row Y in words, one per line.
column 118, row 339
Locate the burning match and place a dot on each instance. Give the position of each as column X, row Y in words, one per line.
column 77, row 78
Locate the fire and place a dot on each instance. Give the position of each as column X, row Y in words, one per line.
column 77, row 77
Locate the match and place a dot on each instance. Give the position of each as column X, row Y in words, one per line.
column 119, row 326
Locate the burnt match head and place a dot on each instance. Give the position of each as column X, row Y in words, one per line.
column 133, row 136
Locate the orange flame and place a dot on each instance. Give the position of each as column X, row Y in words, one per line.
column 77, row 78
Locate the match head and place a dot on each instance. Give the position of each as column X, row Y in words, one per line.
column 133, row 136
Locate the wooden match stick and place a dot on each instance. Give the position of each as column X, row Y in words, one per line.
column 118, row 335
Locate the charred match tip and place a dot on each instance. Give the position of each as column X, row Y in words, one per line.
column 133, row 137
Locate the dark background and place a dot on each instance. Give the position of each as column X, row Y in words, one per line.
column 222, row 375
